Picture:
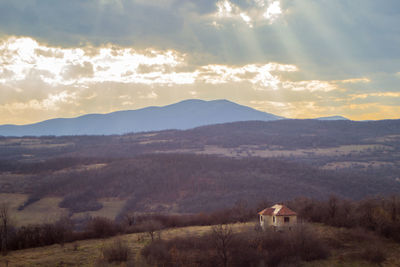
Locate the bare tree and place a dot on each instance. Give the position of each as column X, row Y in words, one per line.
column 152, row 227
column 394, row 205
column 4, row 226
column 129, row 218
column 222, row 236
column 332, row 206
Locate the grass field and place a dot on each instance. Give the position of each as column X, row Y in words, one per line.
column 43, row 211
column 245, row 151
column 46, row 210
column 87, row 252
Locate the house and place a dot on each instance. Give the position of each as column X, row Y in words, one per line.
column 278, row 216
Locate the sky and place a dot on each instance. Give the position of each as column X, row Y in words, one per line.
column 292, row 58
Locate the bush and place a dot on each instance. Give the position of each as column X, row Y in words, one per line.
column 307, row 244
column 374, row 254
column 101, row 227
column 222, row 247
column 118, row 251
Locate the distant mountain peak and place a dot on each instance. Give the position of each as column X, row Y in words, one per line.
column 183, row 115
column 332, row 118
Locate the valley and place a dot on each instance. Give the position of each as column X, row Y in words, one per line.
column 201, row 169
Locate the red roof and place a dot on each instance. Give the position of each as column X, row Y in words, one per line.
column 267, row 211
column 278, row 210
column 285, row 211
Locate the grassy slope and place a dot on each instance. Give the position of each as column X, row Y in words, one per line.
column 46, row 210
column 89, row 250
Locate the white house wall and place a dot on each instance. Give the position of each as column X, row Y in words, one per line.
column 266, row 220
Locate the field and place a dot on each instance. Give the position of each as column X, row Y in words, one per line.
column 258, row 151
column 45, row 210
column 344, row 248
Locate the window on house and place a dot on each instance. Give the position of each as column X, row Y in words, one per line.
column 273, row 219
column 286, row 219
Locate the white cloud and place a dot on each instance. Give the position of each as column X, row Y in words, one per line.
column 226, row 8
column 311, row 86
column 66, row 66
column 81, row 67
column 273, row 12
column 21, row 58
column 380, row 94
column 356, row 80
column 52, row 102
column 259, row 11
column 36, row 77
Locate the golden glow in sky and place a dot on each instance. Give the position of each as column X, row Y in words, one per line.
column 298, row 58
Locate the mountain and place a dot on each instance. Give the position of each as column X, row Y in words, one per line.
column 332, row 118
column 183, row 115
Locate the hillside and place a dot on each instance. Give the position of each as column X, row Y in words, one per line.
column 183, row 115
column 346, row 247
column 181, row 183
column 296, row 139
column 205, row 168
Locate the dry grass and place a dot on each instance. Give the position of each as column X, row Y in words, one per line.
column 349, row 245
column 43, row 211
column 355, row 164
column 33, row 143
column 244, row 151
column 46, row 210
column 88, row 252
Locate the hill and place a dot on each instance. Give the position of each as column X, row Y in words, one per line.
column 238, row 139
column 183, row 115
column 332, row 118
column 203, row 168
column 347, row 248
column 183, row 183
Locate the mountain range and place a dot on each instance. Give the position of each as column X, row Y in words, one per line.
column 182, row 115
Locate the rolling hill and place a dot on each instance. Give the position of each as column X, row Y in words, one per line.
column 204, row 168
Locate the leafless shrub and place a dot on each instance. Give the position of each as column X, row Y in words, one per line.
column 4, row 227
column 101, row 227
column 221, row 239
column 152, row 228
column 117, row 251
column 374, row 253
column 223, row 247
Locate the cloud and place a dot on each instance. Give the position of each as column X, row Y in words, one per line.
column 59, row 81
column 328, row 39
column 273, row 12
column 356, row 80
column 298, row 57
column 258, row 11
column 74, row 71
column 69, row 66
